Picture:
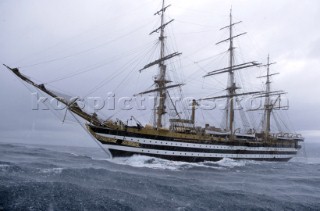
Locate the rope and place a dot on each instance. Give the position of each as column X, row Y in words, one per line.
column 84, row 51
column 84, row 70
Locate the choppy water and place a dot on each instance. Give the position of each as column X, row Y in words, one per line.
column 34, row 177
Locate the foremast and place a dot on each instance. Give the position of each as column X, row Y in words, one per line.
column 161, row 82
column 161, row 79
column 230, row 70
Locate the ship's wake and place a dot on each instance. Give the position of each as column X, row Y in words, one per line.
column 142, row 161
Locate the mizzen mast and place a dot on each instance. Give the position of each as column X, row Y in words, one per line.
column 269, row 104
column 161, row 79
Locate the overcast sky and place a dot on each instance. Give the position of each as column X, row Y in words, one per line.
column 110, row 40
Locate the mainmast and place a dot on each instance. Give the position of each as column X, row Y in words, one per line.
column 161, row 80
column 231, row 87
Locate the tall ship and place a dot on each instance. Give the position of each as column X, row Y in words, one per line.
column 183, row 139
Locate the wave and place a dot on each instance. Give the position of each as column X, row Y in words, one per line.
column 142, row 161
column 4, row 167
column 51, row 171
column 231, row 163
column 306, row 160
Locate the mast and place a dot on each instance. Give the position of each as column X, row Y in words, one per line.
column 231, row 87
column 193, row 112
column 161, row 81
column 268, row 105
column 162, row 74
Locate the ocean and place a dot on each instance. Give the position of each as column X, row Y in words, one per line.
column 40, row 177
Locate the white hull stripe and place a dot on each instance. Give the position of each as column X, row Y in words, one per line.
column 194, row 154
column 191, row 145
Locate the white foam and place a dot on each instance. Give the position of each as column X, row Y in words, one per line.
column 74, row 154
column 52, row 171
column 230, row 163
column 3, row 167
column 306, row 160
column 99, row 158
column 142, row 161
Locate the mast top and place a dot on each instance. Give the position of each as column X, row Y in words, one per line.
column 268, row 69
column 162, row 10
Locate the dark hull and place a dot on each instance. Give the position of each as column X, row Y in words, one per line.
column 121, row 153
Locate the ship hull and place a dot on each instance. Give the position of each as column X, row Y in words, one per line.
column 124, row 144
column 126, row 153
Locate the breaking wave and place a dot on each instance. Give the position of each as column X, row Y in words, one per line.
column 52, row 171
column 142, row 161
